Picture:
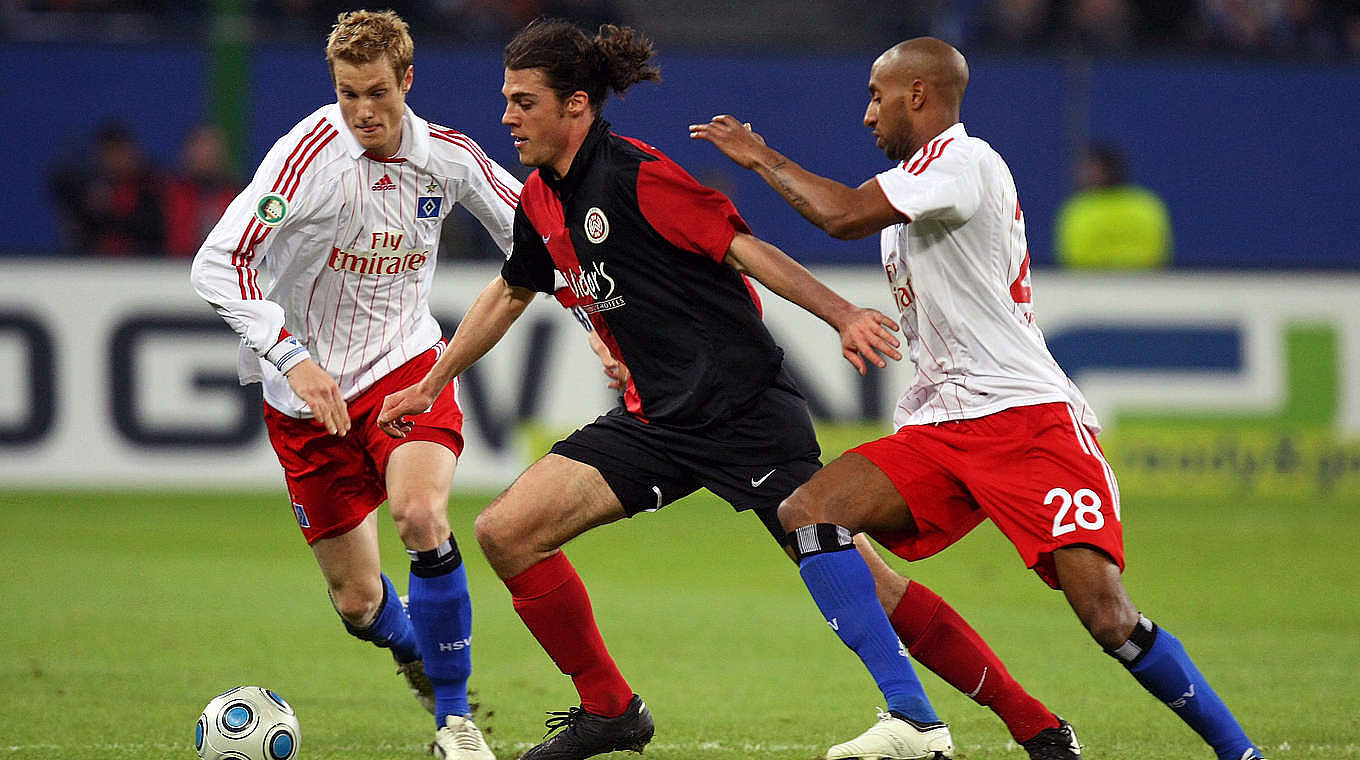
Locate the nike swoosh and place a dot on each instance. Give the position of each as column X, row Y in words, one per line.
column 755, row 482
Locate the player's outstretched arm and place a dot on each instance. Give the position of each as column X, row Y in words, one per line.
column 486, row 322
column 847, row 213
column 865, row 333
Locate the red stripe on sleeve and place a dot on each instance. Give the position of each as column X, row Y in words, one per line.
column 290, row 177
column 301, row 147
column 295, row 180
column 286, row 184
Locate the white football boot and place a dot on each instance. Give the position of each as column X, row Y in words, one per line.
column 459, row 739
column 894, row 738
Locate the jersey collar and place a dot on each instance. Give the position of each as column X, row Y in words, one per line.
column 584, row 154
column 415, row 136
column 954, row 130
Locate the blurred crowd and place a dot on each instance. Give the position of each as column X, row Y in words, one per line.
column 112, row 200
column 1304, row 29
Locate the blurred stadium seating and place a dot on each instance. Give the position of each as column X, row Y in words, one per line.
column 1238, row 114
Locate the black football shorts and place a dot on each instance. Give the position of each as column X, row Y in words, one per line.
column 648, row 466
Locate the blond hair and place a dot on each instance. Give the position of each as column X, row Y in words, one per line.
column 360, row 37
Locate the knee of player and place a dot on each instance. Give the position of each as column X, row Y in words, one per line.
column 421, row 525
column 494, row 534
column 797, row 510
column 356, row 604
column 1109, row 620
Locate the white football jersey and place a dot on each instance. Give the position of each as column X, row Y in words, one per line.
column 337, row 248
column 959, row 273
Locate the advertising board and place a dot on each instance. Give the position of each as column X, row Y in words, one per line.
column 116, row 374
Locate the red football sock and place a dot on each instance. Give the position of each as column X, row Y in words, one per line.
column 943, row 641
column 552, row 601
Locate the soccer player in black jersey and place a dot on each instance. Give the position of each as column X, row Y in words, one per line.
column 656, row 264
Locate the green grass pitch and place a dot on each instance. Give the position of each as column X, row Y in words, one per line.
column 126, row 612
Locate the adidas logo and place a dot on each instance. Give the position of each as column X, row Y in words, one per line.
column 385, row 183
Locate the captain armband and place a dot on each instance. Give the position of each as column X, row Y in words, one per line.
column 287, row 354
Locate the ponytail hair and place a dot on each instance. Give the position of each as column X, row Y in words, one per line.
column 616, row 58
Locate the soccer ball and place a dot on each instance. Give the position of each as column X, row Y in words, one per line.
column 247, row 723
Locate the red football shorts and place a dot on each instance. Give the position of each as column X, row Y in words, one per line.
column 1035, row 471
column 334, row 482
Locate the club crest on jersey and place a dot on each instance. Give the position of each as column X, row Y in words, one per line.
column 427, row 207
column 597, row 225
column 271, row 209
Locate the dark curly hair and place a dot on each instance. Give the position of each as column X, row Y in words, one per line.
column 615, row 59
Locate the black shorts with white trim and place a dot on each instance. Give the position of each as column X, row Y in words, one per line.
column 648, row 466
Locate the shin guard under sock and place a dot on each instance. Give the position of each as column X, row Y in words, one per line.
column 843, row 587
column 391, row 628
column 1157, row 660
column 940, row 639
column 552, row 601
column 441, row 614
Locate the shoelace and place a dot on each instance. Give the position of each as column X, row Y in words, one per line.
column 559, row 720
column 469, row 738
column 1055, row 738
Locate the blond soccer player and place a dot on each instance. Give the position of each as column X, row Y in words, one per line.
column 324, row 266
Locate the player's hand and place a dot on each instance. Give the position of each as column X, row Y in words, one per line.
column 733, row 138
column 410, row 400
column 615, row 370
column 865, row 336
column 319, row 390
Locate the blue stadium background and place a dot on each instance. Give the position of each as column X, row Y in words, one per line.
column 1257, row 159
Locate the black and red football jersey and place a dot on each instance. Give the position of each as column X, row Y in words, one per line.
column 641, row 245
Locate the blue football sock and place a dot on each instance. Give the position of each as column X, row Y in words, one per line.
column 1167, row 672
column 843, row 588
column 391, row 628
column 441, row 613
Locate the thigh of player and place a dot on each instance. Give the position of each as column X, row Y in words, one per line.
column 332, row 484
column 416, row 472
column 916, row 504
column 636, row 461
column 1050, row 487
column 603, row 472
column 760, row 488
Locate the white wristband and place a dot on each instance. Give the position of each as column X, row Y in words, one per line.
column 287, row 354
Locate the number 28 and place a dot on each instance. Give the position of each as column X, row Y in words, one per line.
column 1083, row 507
